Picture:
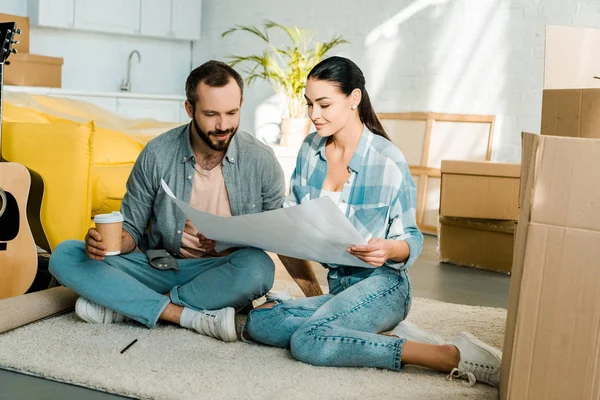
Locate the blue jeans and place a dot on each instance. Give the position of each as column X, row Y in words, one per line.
column 341, row 328
column 128, row 284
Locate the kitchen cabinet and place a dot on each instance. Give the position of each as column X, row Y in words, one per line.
column 167, row 19
column 185, row 19
column 156, row 18
column 52, row 13
column 113, row 16
column 183, row 117
column 160, row 110
column 108, row 103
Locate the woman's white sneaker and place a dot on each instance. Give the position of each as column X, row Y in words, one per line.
column 97, row 314
column 478, row 361
column 408, row 330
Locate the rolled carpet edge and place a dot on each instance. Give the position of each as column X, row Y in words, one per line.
column 25, row 309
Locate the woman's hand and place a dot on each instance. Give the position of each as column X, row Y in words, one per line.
column 376, row 252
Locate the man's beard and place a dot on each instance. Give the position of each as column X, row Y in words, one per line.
column 216, row 145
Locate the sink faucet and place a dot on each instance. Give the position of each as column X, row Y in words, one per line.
column 126, row 84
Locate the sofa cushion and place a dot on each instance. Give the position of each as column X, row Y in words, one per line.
column 108, row 187
column 60, row 153
column 113, row 156
column 111, row 147
column 13, row 113
column 75, row 111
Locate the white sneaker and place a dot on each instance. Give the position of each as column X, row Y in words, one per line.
column 276, row 295
column 219, row 324
column 478, row 361
column 94, row 313
column 410, row 331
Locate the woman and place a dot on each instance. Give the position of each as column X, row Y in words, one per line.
column 351, row 160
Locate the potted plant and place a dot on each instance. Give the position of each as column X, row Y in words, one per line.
column 286, row 69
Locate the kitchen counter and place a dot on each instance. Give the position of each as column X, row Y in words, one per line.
column 69, row 92
column 161, row 107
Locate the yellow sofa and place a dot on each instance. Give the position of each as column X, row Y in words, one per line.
column 84, row 167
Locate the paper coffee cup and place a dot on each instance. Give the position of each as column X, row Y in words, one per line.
column 110, row 228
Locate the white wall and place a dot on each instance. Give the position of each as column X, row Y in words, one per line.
column 452, row 56
column 15, row 7
column 98, row 62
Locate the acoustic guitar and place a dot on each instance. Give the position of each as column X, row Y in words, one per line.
column 18, row 251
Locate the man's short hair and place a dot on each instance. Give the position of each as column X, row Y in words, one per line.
column 212, row 73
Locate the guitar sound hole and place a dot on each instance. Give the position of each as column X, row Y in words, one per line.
column 2, row 202
column 9, row 219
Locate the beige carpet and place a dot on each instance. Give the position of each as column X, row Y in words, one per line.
column 174, row 363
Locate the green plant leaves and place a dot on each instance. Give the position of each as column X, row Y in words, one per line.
column 284, row 67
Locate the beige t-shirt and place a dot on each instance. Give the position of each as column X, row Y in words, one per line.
column 209, row 194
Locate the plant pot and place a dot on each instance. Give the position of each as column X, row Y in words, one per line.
column 293, row 131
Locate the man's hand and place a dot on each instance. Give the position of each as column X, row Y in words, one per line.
column 206, row 245
column 376, row 252
column 96, row 250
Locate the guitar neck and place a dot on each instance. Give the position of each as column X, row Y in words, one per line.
column 1, row 91
column 8, row 30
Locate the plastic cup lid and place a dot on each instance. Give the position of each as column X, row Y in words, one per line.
column 115, row 216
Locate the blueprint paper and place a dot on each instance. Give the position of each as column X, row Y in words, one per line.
column 316, row 230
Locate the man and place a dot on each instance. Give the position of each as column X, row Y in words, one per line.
column 178, row 277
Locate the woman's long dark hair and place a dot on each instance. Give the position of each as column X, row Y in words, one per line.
column 346, row 75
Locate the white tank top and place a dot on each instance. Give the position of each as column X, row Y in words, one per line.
column 335, row 196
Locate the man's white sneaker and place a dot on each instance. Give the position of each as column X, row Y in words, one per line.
column 97, row 314
column 478, row 361
column 410, row 331
column 219, row 324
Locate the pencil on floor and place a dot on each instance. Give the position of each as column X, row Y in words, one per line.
column 128, row 346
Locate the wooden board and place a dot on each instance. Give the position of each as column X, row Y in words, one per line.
column 409, row 136
column 428, row 138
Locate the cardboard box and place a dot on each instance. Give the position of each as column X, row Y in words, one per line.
column 480, row 189
column 23, row 25
column 485, row 244
column 571, row 97
column 571, row 112
column 552, row 343
column 33, row 70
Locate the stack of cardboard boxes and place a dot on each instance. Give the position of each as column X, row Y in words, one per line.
column 552, row 343
column 478, row 213
column 25, row 69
